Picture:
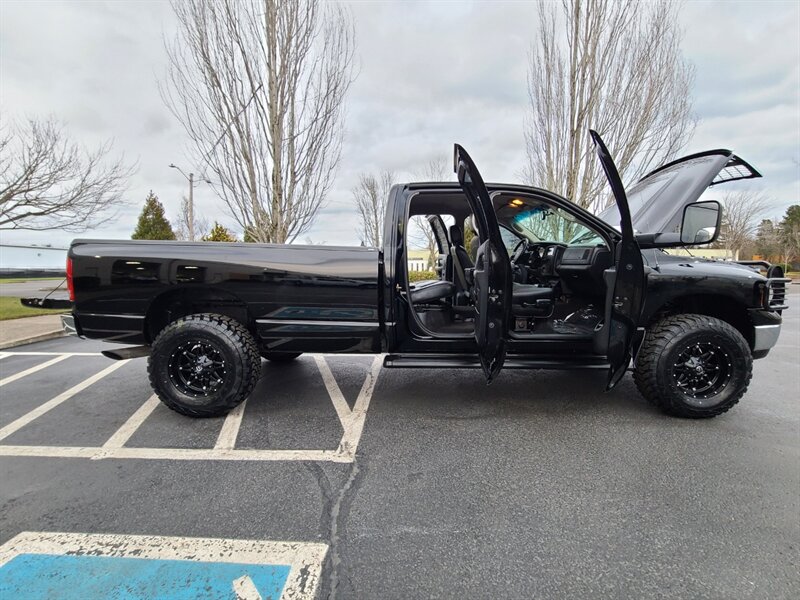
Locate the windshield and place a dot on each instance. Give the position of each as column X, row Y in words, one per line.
column 540, row 223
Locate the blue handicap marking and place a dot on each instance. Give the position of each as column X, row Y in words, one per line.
column 87, row 566
column 85, row 577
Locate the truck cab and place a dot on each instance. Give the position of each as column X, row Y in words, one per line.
column 547, row 284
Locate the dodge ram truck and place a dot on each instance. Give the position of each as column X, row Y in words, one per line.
column 547, row 285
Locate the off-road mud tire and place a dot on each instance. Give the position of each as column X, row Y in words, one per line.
column 229, row 341
column 664, row 343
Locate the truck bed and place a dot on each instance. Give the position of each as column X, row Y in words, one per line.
column 295, row 297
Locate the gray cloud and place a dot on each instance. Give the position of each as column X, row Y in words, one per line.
column 430, row 74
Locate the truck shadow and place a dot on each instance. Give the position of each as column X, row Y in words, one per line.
column 464, row 395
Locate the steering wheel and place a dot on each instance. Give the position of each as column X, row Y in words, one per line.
column 519, row 250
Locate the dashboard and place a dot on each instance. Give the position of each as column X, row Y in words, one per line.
column 579, row 268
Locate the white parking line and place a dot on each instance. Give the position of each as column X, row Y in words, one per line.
column 230, row 429
column 124, row 433
column 304, row 559
column 254, row 455
column 337, row 398
column 51, row 404
column 32, row 370
column 355, row 426
column 53, row 354
column 4, row 355
column 224, row 448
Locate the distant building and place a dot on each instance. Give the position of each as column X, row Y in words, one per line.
column 417, row 260
column 712, row 253
column 18, row 258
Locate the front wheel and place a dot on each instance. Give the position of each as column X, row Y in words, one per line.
column 693, row 366
column 204, row 365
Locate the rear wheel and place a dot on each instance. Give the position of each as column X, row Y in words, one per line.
column 280, row 357
column 204, row 365
column 693, row 366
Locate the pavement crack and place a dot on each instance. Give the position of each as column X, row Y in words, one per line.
column 333, row 521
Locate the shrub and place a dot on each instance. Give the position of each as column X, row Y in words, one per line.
column 421, row 276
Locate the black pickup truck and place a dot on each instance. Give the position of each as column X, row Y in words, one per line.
column 547, row 286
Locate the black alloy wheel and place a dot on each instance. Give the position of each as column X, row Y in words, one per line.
column 701, row 372
column 204, row 365
column 197, row 368
column 693, row 366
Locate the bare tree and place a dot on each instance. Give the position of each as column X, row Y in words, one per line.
column 370, row 197
column 614, row 66
column 47, row 181
column 260, row 87
column 436, row 169
column 421, row 234
column 741, row 212
column 182, row 222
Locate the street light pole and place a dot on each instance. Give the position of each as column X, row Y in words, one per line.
column 191, row 199
column 191, row 207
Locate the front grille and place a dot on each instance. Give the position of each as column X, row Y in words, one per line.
column 776, row 293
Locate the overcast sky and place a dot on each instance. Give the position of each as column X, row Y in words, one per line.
column 430, row 74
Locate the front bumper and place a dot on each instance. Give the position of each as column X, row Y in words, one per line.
column 766, row 336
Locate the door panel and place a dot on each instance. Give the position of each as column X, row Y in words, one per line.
column 491, row 322
column 624, row 308
column 627, row 283
column 492, row 288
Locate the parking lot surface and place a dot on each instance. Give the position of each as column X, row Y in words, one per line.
column 373, row 483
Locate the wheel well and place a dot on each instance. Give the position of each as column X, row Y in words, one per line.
column 173, row 305
column 722, row 307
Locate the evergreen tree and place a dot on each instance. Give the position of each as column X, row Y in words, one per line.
column 219, row 233
column 790, row 233
column 767, row 242
column 153, row 225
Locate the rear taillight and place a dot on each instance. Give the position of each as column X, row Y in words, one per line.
column 70, row 285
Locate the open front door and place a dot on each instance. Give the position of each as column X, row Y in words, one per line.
column 492, row 275
column 626, row 283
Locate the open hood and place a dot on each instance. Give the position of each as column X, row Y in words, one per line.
column 657, row 200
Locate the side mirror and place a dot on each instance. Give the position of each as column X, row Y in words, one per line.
column 701, row 222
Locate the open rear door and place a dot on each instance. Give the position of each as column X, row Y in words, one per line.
column 627, row 282
column 492, row 288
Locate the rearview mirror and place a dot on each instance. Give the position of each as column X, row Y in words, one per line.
column 700, row 224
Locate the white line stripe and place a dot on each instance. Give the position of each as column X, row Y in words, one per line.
column 12, row 353
column 26, row 372
column 54, row 354
column 50, row 451
column 339, row 403
column 62, row 397
column 98, row 452
column 124, row 433
column 230, row 429
column 4, row 355
column 355, row 426
column 305, row 558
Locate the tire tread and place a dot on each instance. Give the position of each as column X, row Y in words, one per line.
column 656, row 342
column 243, row 339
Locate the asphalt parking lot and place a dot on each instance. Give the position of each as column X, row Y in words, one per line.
column 409, row 483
